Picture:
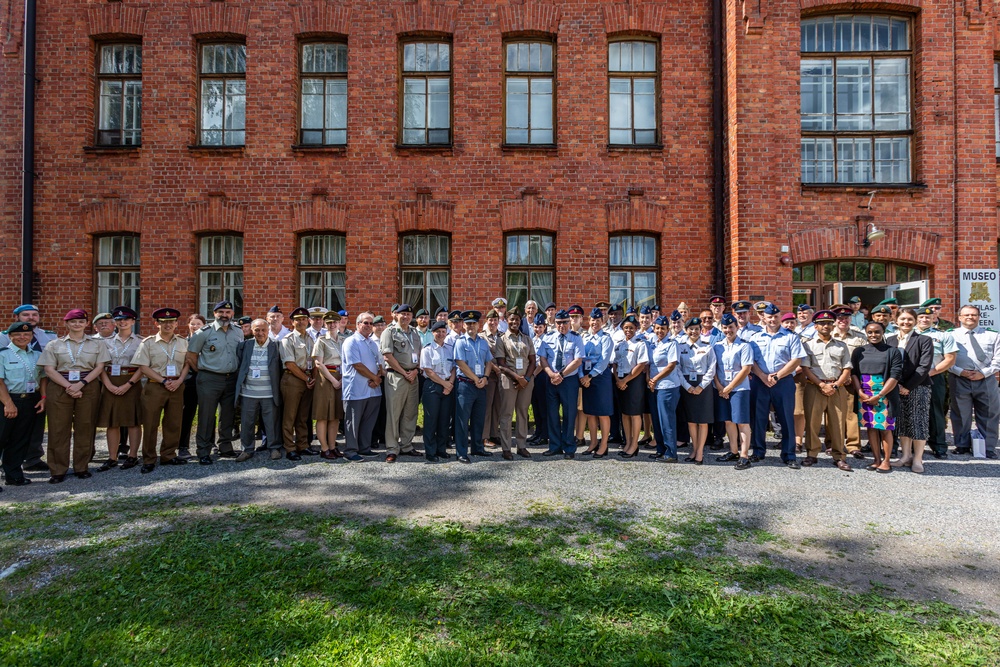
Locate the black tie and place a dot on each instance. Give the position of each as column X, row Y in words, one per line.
column 559, row 353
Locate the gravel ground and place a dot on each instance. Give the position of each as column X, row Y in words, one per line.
column 930, row 537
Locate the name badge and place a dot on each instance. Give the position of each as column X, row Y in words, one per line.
column 479, row 369
column 414, row 358
column 74, row 376
column 172, row 371
column 519, row 364
column 729, row 377
column 30, row 387
column 309, row 366
column 587, row 366
column 622, row 373
column 692, row 379
column 255, row 374
column 116, row 369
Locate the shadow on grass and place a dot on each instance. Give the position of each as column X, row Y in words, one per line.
column 595, row 585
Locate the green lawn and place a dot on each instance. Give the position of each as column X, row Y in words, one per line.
column 150, row 583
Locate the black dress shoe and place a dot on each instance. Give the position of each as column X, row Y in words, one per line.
column 688, row 459
column 991, row 455
column 940, row 455
column 176, row 461
column 656, row 456
column 625, row 455
column 41, row 466
column 205, row 460
column 130, row 462
column 551, row 452
column 432, row 459
column 569, row 456
column 24, row 481
column 698, row 462
column 668, row 459
column 445, row 456
column 57, row 479
column 464, row 459
column 86, row 474
column 412, row 452
column 756, row 459
column 228, row 455
column 742, row 464
column 108, row 465
column 293, row 456
column 147, row 468
column 482, row 453
column 596, row 455
column 792, row 465
column 966, row 451
column 309, row 451
column 726, row 458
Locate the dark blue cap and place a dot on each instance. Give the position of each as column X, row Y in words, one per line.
column 662, row 321
column 562, row 315
column 727, row 319
column 472, row 316
column 274, row 309
column 123, row 313
column 693, row 322
column 645, row 310
column 440, row 309
column 402, row 308
column 804, row 306
column 676, row 315
column 655, row 306
column 597, row 314
column 550, row 304
column 439, row 325
column 771, row 309
column 455, row 316
column 630, row 319
column 226, row 304
column 539, row 319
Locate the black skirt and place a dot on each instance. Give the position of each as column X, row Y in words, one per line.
column 634, row 399
column 699, row 408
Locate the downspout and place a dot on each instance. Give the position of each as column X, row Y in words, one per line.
column 718, row 146
column 28, row 158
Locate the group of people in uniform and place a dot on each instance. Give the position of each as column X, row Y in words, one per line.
column 630, row 377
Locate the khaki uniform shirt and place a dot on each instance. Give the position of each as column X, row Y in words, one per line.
column 327, row 351
column 514, row 349
column 827, row 360
column 216, row 349
column 404, row 347
column 297, row 348
column 852, row 339
column 121, row 352
column 496, row 348
column 67, row 355
column 158, row 355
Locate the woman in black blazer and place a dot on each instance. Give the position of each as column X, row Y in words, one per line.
column 913, row 426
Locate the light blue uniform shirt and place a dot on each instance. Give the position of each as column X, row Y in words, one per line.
column 597, row 350
column 359, row 350
column 438, row 358
column 19, row 367
column 475, row 353
column 858, row 320
column 572, row 348
column 661, row 354
column 746, row 332
column 772, row 351
column 730, row 360
column 695, row 360
column 713, row 337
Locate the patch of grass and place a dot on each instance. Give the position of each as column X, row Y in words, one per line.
column 157, row 584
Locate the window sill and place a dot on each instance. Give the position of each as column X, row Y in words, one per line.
column 234, row 151
column 631, row 148
column 132, row 150
column 442, row 149
column 863, row 188
column 305, row 149
column 551, row 149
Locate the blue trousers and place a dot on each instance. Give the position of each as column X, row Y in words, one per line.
column 540, row 405
column 663, row 410
column 562, row 435
column 782, row 397
column 437, row 417
column 470, row 415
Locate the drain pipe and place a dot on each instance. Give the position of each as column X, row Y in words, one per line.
column 28, row 158
column 718, row 145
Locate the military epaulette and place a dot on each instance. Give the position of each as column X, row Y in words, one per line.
column 51, row 333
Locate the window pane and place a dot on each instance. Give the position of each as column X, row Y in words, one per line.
column 878, row 272
column 312, row 103
column 900, row 274
column 892, row 94
column 817, row 94
column 211, row 105
column 854, row 160
column 645, row 104
column 809, row 273
column 111, row 105
column 862, row 271
column 440, row 104
column 847, row 271
column 336, row 105
column 830, row 272
column 854, row 93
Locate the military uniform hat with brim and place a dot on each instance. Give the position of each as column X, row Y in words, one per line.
column 166, row 314
column 332, row 316
column 740, row 306
column 472, row 316
column 97, row 318
column 244, row 319
column 317, row 311
column 455, row 316
column 825, row 316
column 300, row 312
column 123, row 313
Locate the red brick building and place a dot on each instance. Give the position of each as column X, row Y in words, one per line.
column 363, row 152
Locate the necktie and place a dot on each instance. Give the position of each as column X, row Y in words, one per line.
column 977, row 349
column 559, row 353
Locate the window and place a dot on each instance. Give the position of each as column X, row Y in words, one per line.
column 632, row 276
column 426, row 94
column 996, row 104
column 323, row 84
column 530, row 269
column 117, row 272
column 220, row 272
column 632, row 78
column 119, row 116
column 855, row 88
column 223, row 94
column 529, row 89
column 426, row 271
column 322, row 272
column 833, row 281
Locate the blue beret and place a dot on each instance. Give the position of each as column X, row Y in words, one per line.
column 550, row 304
column 727, row 319
column 539, row 319
column 662, row 321
column 342, row 313
column 24, row 308
column 597, row 314
column 440, row 309
column 771, row 309
column 402, row 308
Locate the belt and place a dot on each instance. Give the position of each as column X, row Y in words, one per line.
column 333, row 368
column 26, row 395
column 405, row 370
column 171, row 377
column 225, row 375
column 127, row 370
column 466, row 380
column 83, row 374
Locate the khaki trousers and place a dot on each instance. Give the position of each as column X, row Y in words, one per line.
column 853, row 429
column 511, row 399
column 296, row 399
column 72, row 417
column 817, row 405
column 491, row 426
column 157, row 401
column 402, row 401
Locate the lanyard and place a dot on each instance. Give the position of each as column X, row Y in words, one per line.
column 30, row 370
column 118, row 353
column 170, row 355
column 69, row 351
